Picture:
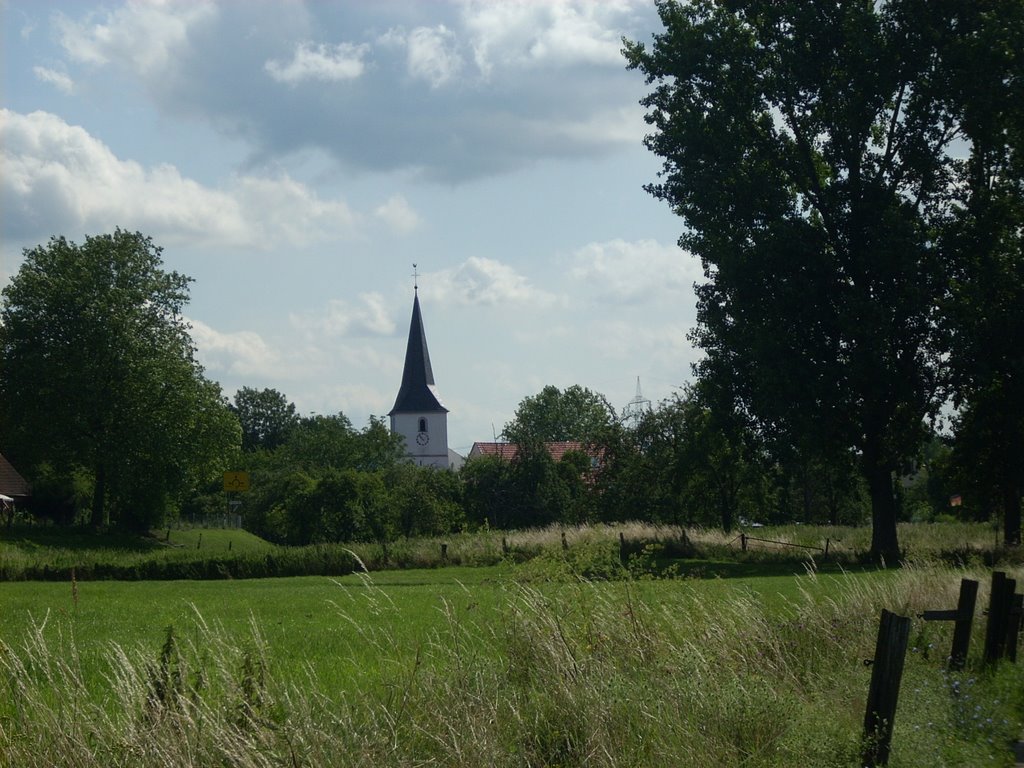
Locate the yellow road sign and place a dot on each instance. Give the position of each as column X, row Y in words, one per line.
column 236, row 481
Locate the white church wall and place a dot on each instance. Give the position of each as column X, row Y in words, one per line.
column 427, row 448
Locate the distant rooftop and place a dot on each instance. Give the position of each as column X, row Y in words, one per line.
column 509, row 451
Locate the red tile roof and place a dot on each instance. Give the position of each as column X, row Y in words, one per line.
column 509, row 451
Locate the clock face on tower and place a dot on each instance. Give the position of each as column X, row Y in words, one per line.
column 422, row 438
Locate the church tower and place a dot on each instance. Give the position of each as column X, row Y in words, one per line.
column 419, row 415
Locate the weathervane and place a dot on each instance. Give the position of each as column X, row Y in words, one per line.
column 415, row 278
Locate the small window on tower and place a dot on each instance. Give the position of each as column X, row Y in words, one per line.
column 423, row 425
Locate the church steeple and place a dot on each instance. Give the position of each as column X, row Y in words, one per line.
column 419, row 416
column 417, row 393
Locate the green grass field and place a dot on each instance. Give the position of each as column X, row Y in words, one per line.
column 333, row 624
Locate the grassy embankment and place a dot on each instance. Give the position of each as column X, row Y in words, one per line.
column 507, row 665
column 47, row 554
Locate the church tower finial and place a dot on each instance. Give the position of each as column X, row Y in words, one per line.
column 415, row 279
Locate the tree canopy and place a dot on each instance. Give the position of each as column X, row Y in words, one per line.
column 552, row 415
column 266, row 417
column 98, row 374
column 810, row 150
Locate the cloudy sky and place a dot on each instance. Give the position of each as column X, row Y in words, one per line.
column 296, row 158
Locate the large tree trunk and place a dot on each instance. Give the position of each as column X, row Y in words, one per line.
column 1011, row 515
column 99, row 494
column 884, row 544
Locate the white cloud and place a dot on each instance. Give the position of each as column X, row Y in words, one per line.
column 146, row 36
column 243, row 353
column 623, row 340
column 58, row 178
column 329, row 63
column 621, row 125
column 432, row 55
column 398, row 215
column 641, row 271
column 351, row 399
column 58, row 80
column 316, row 371
column 536, row 79
column 528, row 34
column 485, row 281
column 280, row 210
column 369, row 317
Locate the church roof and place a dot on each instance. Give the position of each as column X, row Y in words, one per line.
column 11, row 483
column 417, row 393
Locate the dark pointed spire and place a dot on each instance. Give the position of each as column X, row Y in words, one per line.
column 417, row 394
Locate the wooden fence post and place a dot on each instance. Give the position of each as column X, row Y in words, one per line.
column 964, row 618
column 743, row 542
column 964, row 623
column 998, row 626
column 886, row 673
column 1013, row 627
column 444, row 552
column 565, row 544
column 504, row 546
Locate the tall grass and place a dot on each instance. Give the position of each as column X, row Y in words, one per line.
column 575, row 673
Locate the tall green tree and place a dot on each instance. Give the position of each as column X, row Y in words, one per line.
column 985, row 244
column 807, row 147
column 98, row 373
column 266, row 417
column 684, row 465
column 488, row 491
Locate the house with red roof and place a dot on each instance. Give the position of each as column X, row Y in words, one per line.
column 557, row 449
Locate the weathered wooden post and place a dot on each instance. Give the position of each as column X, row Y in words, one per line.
column 1013, row 628
column 998, row 626
column 886, row 673
column 964, row 618
column 444, row 552
column 504, row 546
column 200, row 542
column 743, row 542
column 565, row 544
column 827, row 542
